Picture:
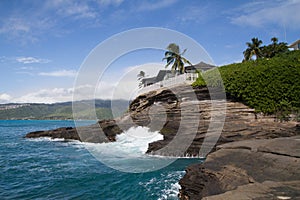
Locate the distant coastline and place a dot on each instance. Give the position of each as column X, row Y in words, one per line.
column 59, row 111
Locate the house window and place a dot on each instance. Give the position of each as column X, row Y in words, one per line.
column 299, row 45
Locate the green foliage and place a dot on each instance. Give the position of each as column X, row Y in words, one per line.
column 200, row 81
column 274, row 49
column 174, row 57
column 268, row 85
column 253, row 49
column 267, row 51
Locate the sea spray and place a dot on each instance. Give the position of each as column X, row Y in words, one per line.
column 128, row 152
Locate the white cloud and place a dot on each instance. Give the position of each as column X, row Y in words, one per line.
column 5, row 98
column 125, row 86
column 149, row 6
column 71, row 8
column 53, row 95
column 195, row 14
column 59, row 73
column 110, row 2
column 122, row 87
column 27, row 68
column 46, row 96
column 15, row 24
column 26, row 28
column 45, row 17
column 283, row 13
column 29, row 60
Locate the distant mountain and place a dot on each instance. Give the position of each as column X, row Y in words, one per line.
column 60, row 111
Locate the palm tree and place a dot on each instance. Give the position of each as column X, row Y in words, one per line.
column 253, row 49
column 140, row 77
column 274, row 40
column 174, row 57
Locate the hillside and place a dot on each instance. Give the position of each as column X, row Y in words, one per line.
column 271, row 86
column 60, row 110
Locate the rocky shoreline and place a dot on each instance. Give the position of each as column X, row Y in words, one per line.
column 253, row 151
column 249, row 169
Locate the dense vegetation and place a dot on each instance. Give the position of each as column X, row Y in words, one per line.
column 271, row 86
column 254, row 48
column 63, row 111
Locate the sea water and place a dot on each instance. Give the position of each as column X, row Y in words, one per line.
column 55, row 169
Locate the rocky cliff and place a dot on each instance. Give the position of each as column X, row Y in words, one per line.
column 245, row 159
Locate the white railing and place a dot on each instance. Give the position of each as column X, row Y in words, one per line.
column 187, row 78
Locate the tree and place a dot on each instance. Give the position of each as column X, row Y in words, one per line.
column 274, row 49
column 140, row 77
column 174, row 57
column 274, row 40
column 253, row 49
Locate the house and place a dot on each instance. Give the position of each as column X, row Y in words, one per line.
column 201, row 67
column 295, row 45
column 148, row 81
column 169, row 74
column 162, row 75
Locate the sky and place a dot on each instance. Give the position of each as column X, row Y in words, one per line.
column 45, row 44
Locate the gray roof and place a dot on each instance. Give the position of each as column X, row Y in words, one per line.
column 204, row 66
column 294, row 43
column 162, row 73
column 160, row 76
column 151, row 79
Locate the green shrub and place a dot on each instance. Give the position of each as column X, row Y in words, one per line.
column 268, row 85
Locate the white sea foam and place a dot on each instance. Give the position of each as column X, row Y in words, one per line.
column 128, row 152
column 47, row 139
column 62, row 141
column 132, row 143
column 172, row 187
column 170, row 193
column 168, row 184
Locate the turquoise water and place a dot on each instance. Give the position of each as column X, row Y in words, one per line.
column 48, row 169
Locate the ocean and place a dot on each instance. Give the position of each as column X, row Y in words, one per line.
column 55, row 169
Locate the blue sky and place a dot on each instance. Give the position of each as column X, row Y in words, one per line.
column 44, row 43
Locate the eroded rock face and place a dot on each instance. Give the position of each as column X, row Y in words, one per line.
column 164, row 111
column 258, row 168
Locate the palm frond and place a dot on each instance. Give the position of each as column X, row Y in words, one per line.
column 186, row 61
column 183, row 51
column 169, row 62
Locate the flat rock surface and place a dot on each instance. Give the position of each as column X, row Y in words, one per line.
column 252, row 169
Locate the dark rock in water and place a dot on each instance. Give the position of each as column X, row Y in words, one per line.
column 260, row 169
column 103, row 131
column 67, row 133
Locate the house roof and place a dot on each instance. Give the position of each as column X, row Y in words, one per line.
column 159, row 77
column 162, row 73
column 200, row 66
column 294, row 43
column 151, row 79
